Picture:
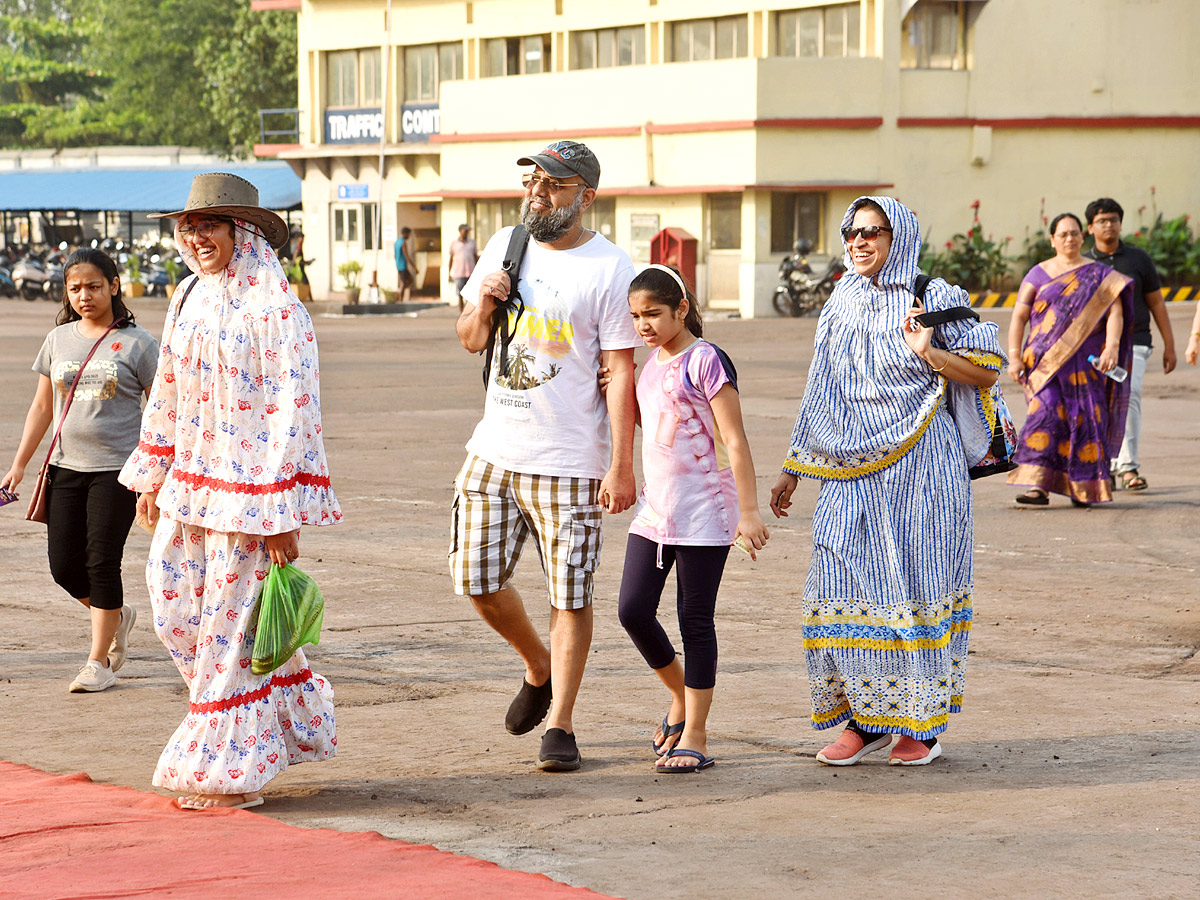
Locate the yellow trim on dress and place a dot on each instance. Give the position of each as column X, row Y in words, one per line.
column 864, row 467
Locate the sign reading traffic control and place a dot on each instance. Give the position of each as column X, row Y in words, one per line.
column 419, row 120
column 353, row 126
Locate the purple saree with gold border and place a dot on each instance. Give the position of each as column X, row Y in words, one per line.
column 1076, row 417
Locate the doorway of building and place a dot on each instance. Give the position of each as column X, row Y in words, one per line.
column 347, row 243
column 724, row 247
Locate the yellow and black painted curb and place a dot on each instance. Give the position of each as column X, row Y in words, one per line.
column 994, row 300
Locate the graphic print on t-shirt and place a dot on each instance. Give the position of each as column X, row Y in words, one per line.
column 99, row 381
column 545, row 332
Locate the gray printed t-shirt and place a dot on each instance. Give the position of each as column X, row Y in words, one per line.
column 105, row 418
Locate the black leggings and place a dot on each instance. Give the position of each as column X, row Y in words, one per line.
column 89, row 515
column 698, row 576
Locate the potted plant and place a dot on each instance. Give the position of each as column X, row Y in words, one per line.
column 173, row 271
column 133, row 267
column 349, row 271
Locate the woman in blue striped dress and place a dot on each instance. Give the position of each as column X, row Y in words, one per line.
column 887, row 603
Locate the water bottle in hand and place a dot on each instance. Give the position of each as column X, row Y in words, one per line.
column 1116, row 373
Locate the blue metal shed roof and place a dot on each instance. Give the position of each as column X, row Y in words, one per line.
column 153, row 189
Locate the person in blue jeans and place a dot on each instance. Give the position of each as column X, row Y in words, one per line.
column 1104, row 218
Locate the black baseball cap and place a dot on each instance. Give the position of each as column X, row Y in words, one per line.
column 562, row 159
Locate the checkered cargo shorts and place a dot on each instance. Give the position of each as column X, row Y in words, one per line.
column 496, row 510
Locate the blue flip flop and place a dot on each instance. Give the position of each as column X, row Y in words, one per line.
column 668, row 732
column 702, row 762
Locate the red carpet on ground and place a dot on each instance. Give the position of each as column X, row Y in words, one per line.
column 63, row 837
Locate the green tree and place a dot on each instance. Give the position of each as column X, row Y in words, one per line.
column 42, row 81
column 247, row 67
column 190, row 72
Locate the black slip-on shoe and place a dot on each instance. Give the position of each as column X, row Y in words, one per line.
column 559, row 753
column 528, row 708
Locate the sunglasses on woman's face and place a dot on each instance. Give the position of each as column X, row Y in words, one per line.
column 866, row 232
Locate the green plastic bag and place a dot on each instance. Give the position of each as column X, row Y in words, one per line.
column 290, row 612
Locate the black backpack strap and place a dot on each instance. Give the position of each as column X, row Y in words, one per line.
column 920, row 284
column 941, row 316
column 513, row 257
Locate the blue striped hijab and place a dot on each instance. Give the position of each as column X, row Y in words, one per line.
column 869, row 398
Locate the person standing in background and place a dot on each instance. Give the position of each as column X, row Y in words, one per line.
column 1104, row 218
column 463, row 254
column 406, row 266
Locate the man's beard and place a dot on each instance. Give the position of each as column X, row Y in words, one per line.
column 549, row 227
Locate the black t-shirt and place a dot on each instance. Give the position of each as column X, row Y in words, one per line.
column 1136, row 264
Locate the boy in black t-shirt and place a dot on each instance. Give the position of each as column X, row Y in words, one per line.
column 1104, row 218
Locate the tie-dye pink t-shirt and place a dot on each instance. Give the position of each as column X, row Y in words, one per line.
column 689, row 496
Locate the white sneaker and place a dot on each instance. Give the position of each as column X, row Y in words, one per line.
column 119, row 649
column 93, row 677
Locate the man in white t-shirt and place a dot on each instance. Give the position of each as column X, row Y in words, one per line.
column 551, row 453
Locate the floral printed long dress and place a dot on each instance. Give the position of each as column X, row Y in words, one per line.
column 231, row 441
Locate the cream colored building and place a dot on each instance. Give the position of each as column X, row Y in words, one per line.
column 744, row 126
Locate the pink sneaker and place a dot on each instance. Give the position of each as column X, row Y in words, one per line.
column 908, row 752
column 850, row 748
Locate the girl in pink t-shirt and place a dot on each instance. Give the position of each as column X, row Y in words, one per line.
column 699, row 497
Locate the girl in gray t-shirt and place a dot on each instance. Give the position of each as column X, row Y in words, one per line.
column 88, row 512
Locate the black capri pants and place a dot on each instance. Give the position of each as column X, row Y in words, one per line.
column 88, row 519
column 698, row 573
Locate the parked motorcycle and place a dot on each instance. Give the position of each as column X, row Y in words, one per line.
column 155, row 276
column 29, row 276
column 801, row 291
column 55, row 282
column 7, row 287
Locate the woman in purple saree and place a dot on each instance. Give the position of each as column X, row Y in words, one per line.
column 1076, row 309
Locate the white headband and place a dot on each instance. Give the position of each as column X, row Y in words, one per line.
column 673, row 274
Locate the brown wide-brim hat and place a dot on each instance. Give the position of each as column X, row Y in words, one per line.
column 226, row 194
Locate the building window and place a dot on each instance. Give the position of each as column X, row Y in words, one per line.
column 601, row 216
column 345, row 224
column 527, row 55
column 426, row 67
column 820, row 31
column 696, row 39
column 933, row 36
column 489, row 216
column 353, row 78
column 608, row 47
column 795, row 216
column 725, row 221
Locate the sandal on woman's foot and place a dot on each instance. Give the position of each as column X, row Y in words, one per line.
column 1034, row 497
column 850, row 748
column 1132, row 481
column 668, row 732
column 204, row 802
column 908, row 752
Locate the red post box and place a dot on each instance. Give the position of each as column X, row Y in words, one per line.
column 676, row 248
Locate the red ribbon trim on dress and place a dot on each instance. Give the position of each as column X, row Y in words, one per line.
column 277, row 487
column 156, row 450
column 252, row 696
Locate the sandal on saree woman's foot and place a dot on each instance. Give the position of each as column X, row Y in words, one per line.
column 1034, row 497
column 1132, row 481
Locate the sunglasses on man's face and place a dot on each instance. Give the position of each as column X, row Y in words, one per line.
column 529, row 182
column 866, row 232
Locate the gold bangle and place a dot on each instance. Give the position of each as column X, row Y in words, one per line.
column 1196, row 334
column 946, row 363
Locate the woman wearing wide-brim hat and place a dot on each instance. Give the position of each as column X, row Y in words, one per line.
column 229, row 465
